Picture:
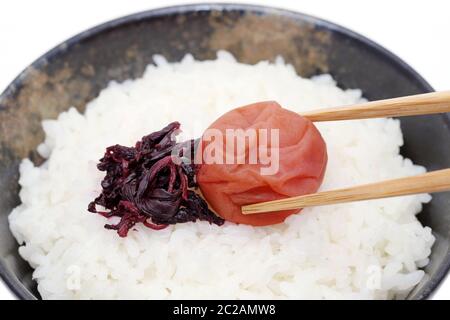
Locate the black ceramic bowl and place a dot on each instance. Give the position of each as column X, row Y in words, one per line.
column 74, row 72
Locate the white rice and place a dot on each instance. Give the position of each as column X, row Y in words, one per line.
column 366, row 250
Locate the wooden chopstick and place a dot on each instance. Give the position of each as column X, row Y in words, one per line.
column 428, row 103
column 434, row 181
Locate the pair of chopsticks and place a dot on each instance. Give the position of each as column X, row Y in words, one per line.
column 435, row 181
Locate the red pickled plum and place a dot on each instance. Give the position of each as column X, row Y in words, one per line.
column 302, row 164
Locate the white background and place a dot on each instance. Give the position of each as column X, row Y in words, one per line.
column 417, row 31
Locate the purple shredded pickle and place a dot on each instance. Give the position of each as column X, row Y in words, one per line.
column 143, row 185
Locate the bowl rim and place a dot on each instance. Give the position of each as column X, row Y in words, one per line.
column 16, row 286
